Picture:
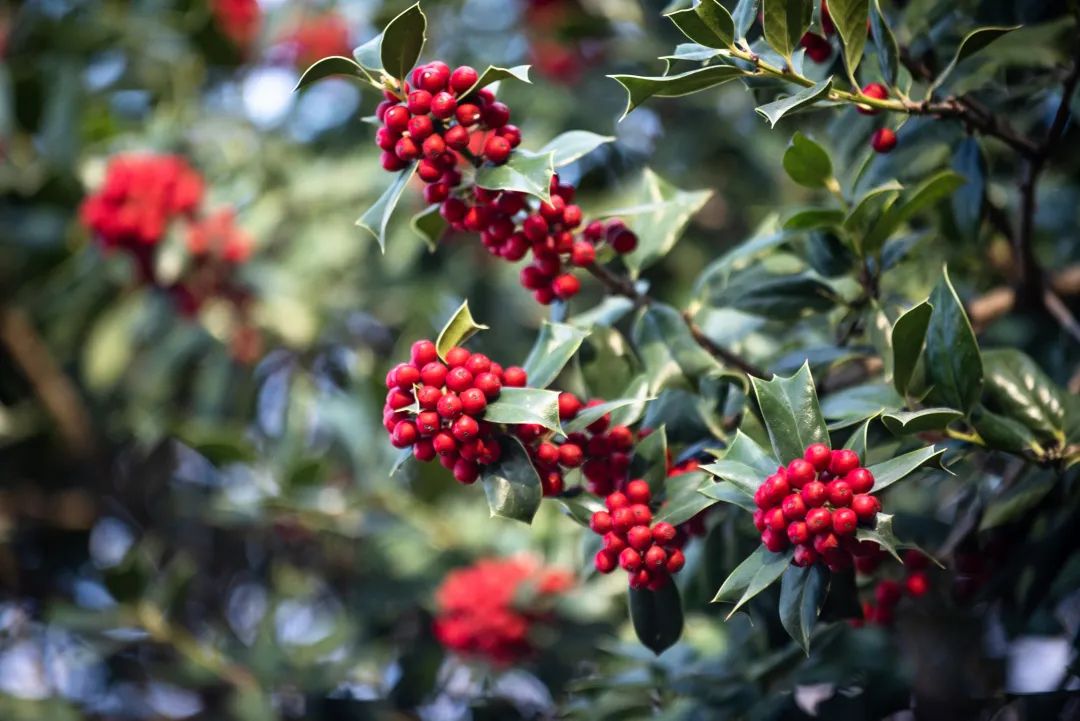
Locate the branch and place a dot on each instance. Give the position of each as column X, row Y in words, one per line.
column 621, row 285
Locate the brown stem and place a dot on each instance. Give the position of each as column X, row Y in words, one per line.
column 621, row 285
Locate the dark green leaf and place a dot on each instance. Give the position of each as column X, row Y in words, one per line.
column 430, row 225
column 376, row 219
column 828, row 255
column 882, row 534
column 870, row 205
column 972, row 43
column 554, row 347
column 807, row 163
column 402, row 42
column 802, row 591
column 573, row 144
column 333, row 65
column 967, row 201
column 908, row 336
column 640, row 88
column 1016, row 387
column 936, row 188
column 785, row 22
column 650, row 460
column 718, row 19
column 1017, row 501
column 858, row 440
column 1002, row 432
column 588, row 416
column 459, row 328
column 708, row 24
column 807, row 96
column 780, row 297
column 728, row 493
column 756, row 573
column 791, row 412
column 667, row 348
column 580, row 508
column 745, row 464
column 493, row 74
column 895, row 469
column 683, row 499
column 814, row 218
column 849, row 17
column 927, row 419
column 657, row 616
column 524, row 172
column 888, row 52
column 745, row 14
column 511, row 485
column 525, row 405
column 863, row 401
column 953, row 364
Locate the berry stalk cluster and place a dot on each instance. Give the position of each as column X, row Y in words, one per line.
column 889, row 592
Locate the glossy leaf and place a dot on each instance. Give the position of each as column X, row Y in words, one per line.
column 895, row 469
column 921, row 421
column 967, row 201
column 650, row 460
column 744, row 15
column 718, row 19
column 430, row 225
column 555, row 345
column 815, row 218
column 850, row 18
column 511, row 485
column 708, row 24
column 953, row 364
column 1018, row 388
column 376, row 219
column 494, row 74
column 802, row 592
column 1004, row 433
column 525, row 405
column 828, row 255
column 888, row 52
column 459, row 328
column 588, row 416
column 1018, row 500
column 683, row 498
column 936, row 188
column 327, row 67
column 657, row 616
column 972, row 43
column 402, row 42
column 756, row 573
column 804, row 98
column 572, row 145
column 807, row 163
column 667, row 348
column 524, row 172
column 792, row 414
column 862, row 401
column 728, row 493
column 780, row 297
column 640, row 88
column 580, row 508
column 870, row 204
column 785, row 21
column 882, row 534
column 908, row 336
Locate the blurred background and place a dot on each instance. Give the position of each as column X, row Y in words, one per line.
column 196, row 514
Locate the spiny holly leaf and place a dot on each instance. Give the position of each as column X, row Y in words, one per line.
column 402, row 42
column 684, row 501
column 457, row 330
column 525, row 405
column 908, row 336
column 727, row 493
column 802, row 591
column 904, row 423
column 850, row 17
column 708, row 24
column 333, row 65
column 667, row 348
column 640, row 88
column 580, row 508
column 953, row 364
column 493, row 75
column 377, row 217
column 746, row 464
column 524, row 172
column 972, row 43
column 555, row 345
column 573, row 144
column 792, row 414
column 889, row 472
column 587, row 416
column 882, row 534
column 807, row 163
column 657, row 616
column 430, row 225
column 804, row 98
column 785, row 22
column 752, row 576
column 511, row 485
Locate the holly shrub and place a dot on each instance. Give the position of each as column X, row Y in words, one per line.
column 709, row 361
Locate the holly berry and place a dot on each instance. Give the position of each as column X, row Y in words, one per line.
column 883, row 140
column 877, row 91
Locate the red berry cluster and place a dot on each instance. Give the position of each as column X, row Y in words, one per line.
column 238, row 20
column 451, row 398
column 889, row 592
column 816, row 503
column 484, row 611
column 818, row 48
column 648, row 552
column 884, row 139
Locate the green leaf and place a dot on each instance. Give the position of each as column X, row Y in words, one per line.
column 581, row 508
column 683, row 498
column 524, row 172
column 745, row 464
column 804, row 98
column 333, row 65
column 640, row 88
column 746, row 12
column 850, row 18
column 718, row 19
column 511, row 485
column 728, row 493
column 967, row 202
column 870, row 204
column 554, row 347
column 888, row 52
column 376, row 219
column 402, row 42
column 936, row 188
column 657, row 616
column 708, row 24
column 972, row 43
column 1004, row 433
column 858, row 440
column 792, row 414
column 908, row 336
column 807, row 163
column 1017, row 388
column 658, row 217
column 815, row 218
column 828, row 255
column 904, row 423
column 525, row 405
column 802, row 591
column 457, row 330
column 368, row 55
column 953, row 364
column 785, row 22
column 667, row 348
column 573, row 144
column 650, row 460
column 895, row 469
column 1018, row 500
column 861, row 401
column 780, row 297
column 752, row 576
column 430, row 225
column 494, row 74
column 587, row 416
column 882, row 534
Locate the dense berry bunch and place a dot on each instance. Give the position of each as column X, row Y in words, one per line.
column 816, row 503
column 238, row 20
column 319, row 37
column 437, row 408
column 648, row 552
column 888, row 592
column 488, row 609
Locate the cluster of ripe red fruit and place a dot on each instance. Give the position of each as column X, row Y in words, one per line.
column 889, row 592
column 450, row 399
column 816, row 503
column 649, row 552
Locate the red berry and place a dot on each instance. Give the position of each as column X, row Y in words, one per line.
column 845, row 521
column 497, row 149
column 392, row 162
column 547, row 453
column 406, row 376
column 663, row 533
column 496, row 115
column 428, row 397
column 515, row 377
column 436, row 193
column 466, row 471
column 463, row 78
column 600, row 522
column 825, row 542
column 620, row 438
column 616, row 500
column 876, row 91
column 450, row 406
column 623, row 241
column 642, row 514
column 605, row 561
column 614, row 542
column 655, row 558
column 866, row 507
column 428, row 422
column 676, row 560
column 774, row 519
column 814, row 494
column 804, row 556
column 433, row 374
column 860, row 480
column 571, row 455
column 622, row 519
column 582, row 254
column 839, row 492
column 407, row 150
column 569, row 406
column 818, row 455
column 637, row 491
column 800, row 472
column 887, row 593
column 843, row 462
column 473, row 401
column 883, row 140
column 489, row 384
column 433, row 146
column 443, row 105
column 818, row 48
column 639, row 537
column 630, row 559
column 428, row 171
column 759, row 519
column 775, row 541
column 404, row 435
column 457, row 357
column 396, row 119
column 459, row 379
column 444, row 444
column 797, row 532
column 419, row 102
column 776, row 488
column 453, row 210
column 433, row 79
column 465, row 428
column 512, row 134
column 456, row 137
column 818, row 521
column 915, row 560
column 566, row 286
column 423, row 450
column 794, row 507
column 467, row 114
column 385, row 139
column 398, row 399
column 917, row 584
